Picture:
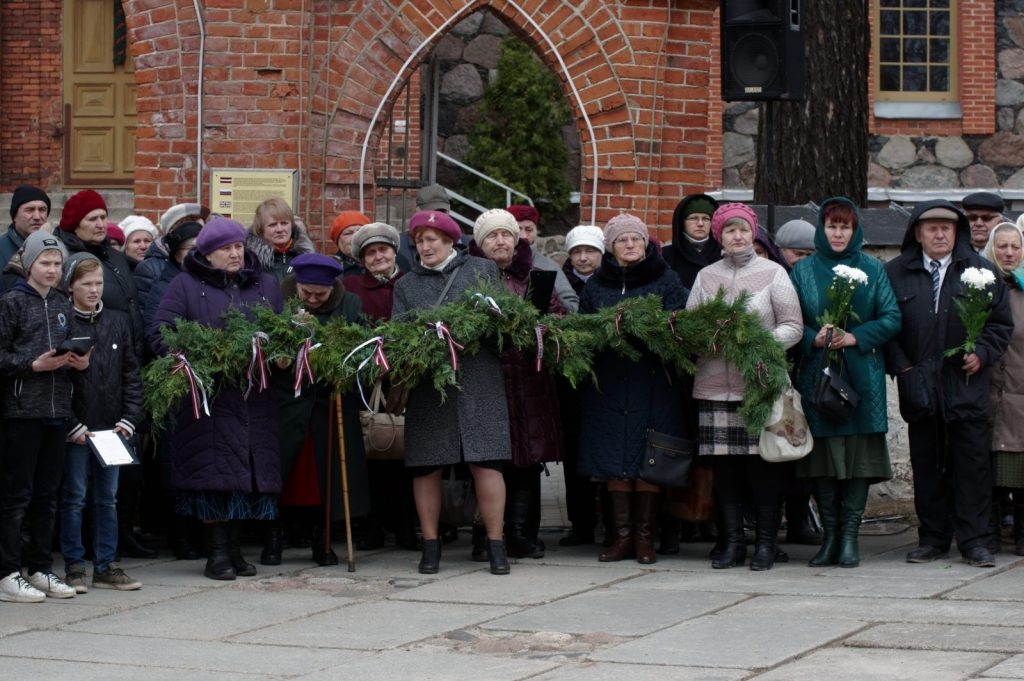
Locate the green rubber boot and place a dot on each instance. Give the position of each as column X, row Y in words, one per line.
column 855, row 497
column 826, row 495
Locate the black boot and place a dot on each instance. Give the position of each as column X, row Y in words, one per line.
column 479, row 554
column 323, row 553
column 129, row 546
column 670, row 532
column 798, row 521
column 497, row 557
column 521, row 497
column 855, row 497
column 721, row 535
column 430, row 561
column 243, row 568
column 622, row 527
column 734, row 549
column 218, row 561
column 766, row 535
column 180, row 535
column 1018, row 525
column 826, row 495
column 273, row 543
column 645, row 520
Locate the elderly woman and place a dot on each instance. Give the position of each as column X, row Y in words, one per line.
column 629, row 397
column 343, row 230
column 847, row 457
column 276, row 237
column 693, row 247
column 226, row 467
column 719, row 387
column 139, row 233
column 531, row 397
column 304, row 423
column 376, row 246
column 1005, row 249
column 471, row 424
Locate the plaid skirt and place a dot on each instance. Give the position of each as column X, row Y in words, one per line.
column 722, row 431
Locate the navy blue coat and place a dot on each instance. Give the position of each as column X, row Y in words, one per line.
column 235, row 448
column 629, row 397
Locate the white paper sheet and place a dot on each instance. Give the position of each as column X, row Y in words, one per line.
column 111, row 448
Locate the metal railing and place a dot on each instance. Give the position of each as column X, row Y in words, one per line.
column 509, row 191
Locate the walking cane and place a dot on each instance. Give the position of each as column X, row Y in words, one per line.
column 344, row 482
column 328, row 485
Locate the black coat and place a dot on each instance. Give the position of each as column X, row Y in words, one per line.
column 936, row 384
column 682, row 254
column 629, row 397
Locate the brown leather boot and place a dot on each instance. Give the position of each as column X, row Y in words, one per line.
column 645, row 520
column 622, row 521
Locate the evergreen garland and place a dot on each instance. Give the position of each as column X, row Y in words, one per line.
column 414, row 351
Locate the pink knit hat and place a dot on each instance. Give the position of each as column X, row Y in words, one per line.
column 624, row 224
column 728, row 211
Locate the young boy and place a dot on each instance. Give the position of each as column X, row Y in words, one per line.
column 36, row 403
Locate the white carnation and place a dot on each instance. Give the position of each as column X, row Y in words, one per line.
column 851, row 274
column 978, row 278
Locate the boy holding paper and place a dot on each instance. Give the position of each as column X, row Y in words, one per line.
column 36, row 403
column 107, row 396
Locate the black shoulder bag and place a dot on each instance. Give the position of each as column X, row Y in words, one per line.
column 833, row 396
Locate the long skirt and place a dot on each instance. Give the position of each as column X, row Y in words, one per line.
column 850, row 456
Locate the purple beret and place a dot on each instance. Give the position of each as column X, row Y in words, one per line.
column 316, row 269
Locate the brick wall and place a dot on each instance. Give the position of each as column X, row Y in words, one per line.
column 30, row 80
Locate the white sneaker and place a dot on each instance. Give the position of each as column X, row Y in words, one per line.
column 14, row 589
column 51, row 585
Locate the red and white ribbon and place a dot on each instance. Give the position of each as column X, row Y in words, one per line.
column 539, row 332
column 443, row 333
column 492, row 305
column 378, row 358
column 303, row 371
column 257, row 362
column 197, row 391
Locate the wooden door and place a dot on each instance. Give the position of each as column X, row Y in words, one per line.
column 99, row 98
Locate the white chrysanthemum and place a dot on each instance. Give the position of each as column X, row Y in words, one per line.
column 851, row 274
column 978, row 278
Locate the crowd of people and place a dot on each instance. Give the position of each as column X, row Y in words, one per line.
column 85, row 305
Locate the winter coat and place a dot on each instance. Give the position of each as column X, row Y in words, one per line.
column 10, row 243
column 29, row 326
column 531, row 395
column 772, row 297
column 109, row 392
column 376, row 296
column 879, row 321
column 567, row 295
column 574, row 279
column 471, row 423
column 307, row 415
column 275, row 262
column 119, row 292
column 628, row 397
column 152, row 277
column 1007, row 382
column 682, row 254
column 929, row 383
column 235, row 448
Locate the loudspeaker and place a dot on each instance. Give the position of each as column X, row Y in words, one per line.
column 762, row 50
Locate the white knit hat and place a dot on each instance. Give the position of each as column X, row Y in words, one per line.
column 584, row 235
column 490, row 220
column 134, row 223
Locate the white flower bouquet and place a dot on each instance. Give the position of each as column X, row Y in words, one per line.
column 840, row 295
column 975, row 306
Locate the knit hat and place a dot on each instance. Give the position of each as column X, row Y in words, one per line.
column 71, row 264
column 624, row 223
column 178, row 213
column 523, row 212
column 433, row 219
column 316, row 269
column 984, row 200
column 729, row 211
column 584, row 235
column 374, row 233
column 135, row 223
column 433, row 197
column 344, row 220
column 796, row 234
column 78, row 206
column 182, row 233
column 35, row 244
column 115, row 233
column 701, row 204
column 26, row 193
column 490, row 220
column 218, row 233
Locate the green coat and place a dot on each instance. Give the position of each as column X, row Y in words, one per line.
column 880, row 320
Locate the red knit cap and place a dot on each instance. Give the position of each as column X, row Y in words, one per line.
column 78, row 206
column 346, row 219
column 524, row 212
column 726, row 212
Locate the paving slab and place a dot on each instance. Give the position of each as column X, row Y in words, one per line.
column 894, row 564
column 528, row 584
column 1011, row 668
column 607, row 671
column 933, row 610
column 791, row 580
column 428, row 666
column 731, row 641
column 971, row 638
column 43, row 670
column 851, row 664
column 1000, row 586
column 619, row 612
column 237, row 611
column 374, row 625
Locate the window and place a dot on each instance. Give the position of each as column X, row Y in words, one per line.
column 915, row 51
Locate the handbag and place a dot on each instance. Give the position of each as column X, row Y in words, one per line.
column 786, row 435
column 833, row 396
column 696, row 503
column 458, row 500
column 383, row 431
column 667, row 460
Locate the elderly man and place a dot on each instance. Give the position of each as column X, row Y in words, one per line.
column 30, row 207
column 945, row 400
column 984, row 211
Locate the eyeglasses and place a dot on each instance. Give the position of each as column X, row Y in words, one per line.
column 982, row 217
column 629, row 240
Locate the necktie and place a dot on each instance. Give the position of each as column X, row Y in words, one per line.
column 936, row 266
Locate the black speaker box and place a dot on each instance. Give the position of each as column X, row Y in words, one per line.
column 762, row 50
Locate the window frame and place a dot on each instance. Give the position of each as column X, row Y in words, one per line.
column 948, row 101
